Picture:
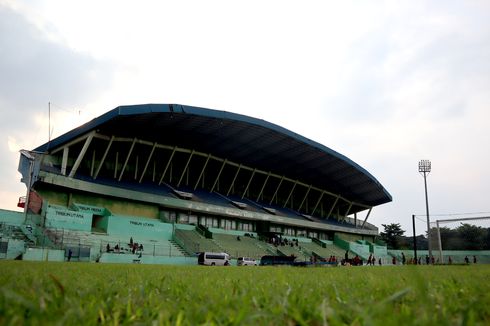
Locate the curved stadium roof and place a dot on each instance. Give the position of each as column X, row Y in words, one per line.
column 239, row 138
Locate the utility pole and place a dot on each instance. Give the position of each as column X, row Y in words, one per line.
column 49, row 126
column 414, row 240
column 425, row 168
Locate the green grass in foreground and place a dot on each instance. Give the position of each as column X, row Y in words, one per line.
column 102, row 294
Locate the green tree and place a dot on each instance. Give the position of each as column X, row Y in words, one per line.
column 449, row 238
column 474, row 237
column 487, row 241
column 392, row 234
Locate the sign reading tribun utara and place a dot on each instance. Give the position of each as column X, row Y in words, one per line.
column 65, row 219
column 138, row 223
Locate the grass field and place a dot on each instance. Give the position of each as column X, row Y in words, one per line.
column 103, row 294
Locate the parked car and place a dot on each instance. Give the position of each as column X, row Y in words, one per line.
column 213, row 259
column 246, row 261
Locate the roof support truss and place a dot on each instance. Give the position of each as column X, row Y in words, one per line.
column 185, row 168
column 263, row 186
column 290, row 193
column 234, row 179
column 304, row 198
column 333, row 206
column 148, row 161
column 64, row 160
column 249, row 182
column 202, row 171
column 127, row 160
column 317, row 203
column 277, row 190
column 104, row 157
column 348, row 210
column 81, row 154
column 168, row 164
column 219, row 174
column 367, row 215
column 139, row 174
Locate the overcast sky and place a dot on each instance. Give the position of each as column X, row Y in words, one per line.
column 384, row 83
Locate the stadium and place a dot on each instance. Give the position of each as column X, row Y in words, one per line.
column 179, row 180
column 161, row 183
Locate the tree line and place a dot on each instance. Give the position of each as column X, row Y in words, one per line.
column 464, row 237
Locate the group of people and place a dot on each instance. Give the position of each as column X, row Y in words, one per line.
column 429, row 260
column 413, row 261
column 332, row 259
column 372, row 260
column 134, row 247
column 357, row 261
column 279, row 241
column 466, row 260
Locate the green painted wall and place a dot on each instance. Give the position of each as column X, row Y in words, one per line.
column 348, row 236
column 43, row 254
column 361, row 249
column 11, row 217
column 132, row 259
column 230, row 232
column 15, row 248
column 59, row 218
column 117, row 206
column 90, row 209
column 59, row 196
column 102, row 223
column 359, row 238
column 54, row 197
column 378, row 250
column 144, row 228
column 151, row 202
column 185, row 226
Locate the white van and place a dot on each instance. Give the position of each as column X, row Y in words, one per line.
column 213, row 259
column 246, row 261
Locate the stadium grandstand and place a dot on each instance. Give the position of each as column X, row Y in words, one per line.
column 158, row 183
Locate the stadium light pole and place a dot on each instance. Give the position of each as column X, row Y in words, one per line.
column 424, row 168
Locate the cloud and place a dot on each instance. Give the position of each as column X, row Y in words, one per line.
column 417, row 68
column 36, row 70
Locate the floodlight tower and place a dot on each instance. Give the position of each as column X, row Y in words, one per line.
column 424, row 168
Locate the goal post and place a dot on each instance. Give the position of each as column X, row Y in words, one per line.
column 436, row 241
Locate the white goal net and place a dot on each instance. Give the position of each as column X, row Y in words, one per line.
column 463, row 234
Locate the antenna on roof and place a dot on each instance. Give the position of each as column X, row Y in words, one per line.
column 49, row 125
